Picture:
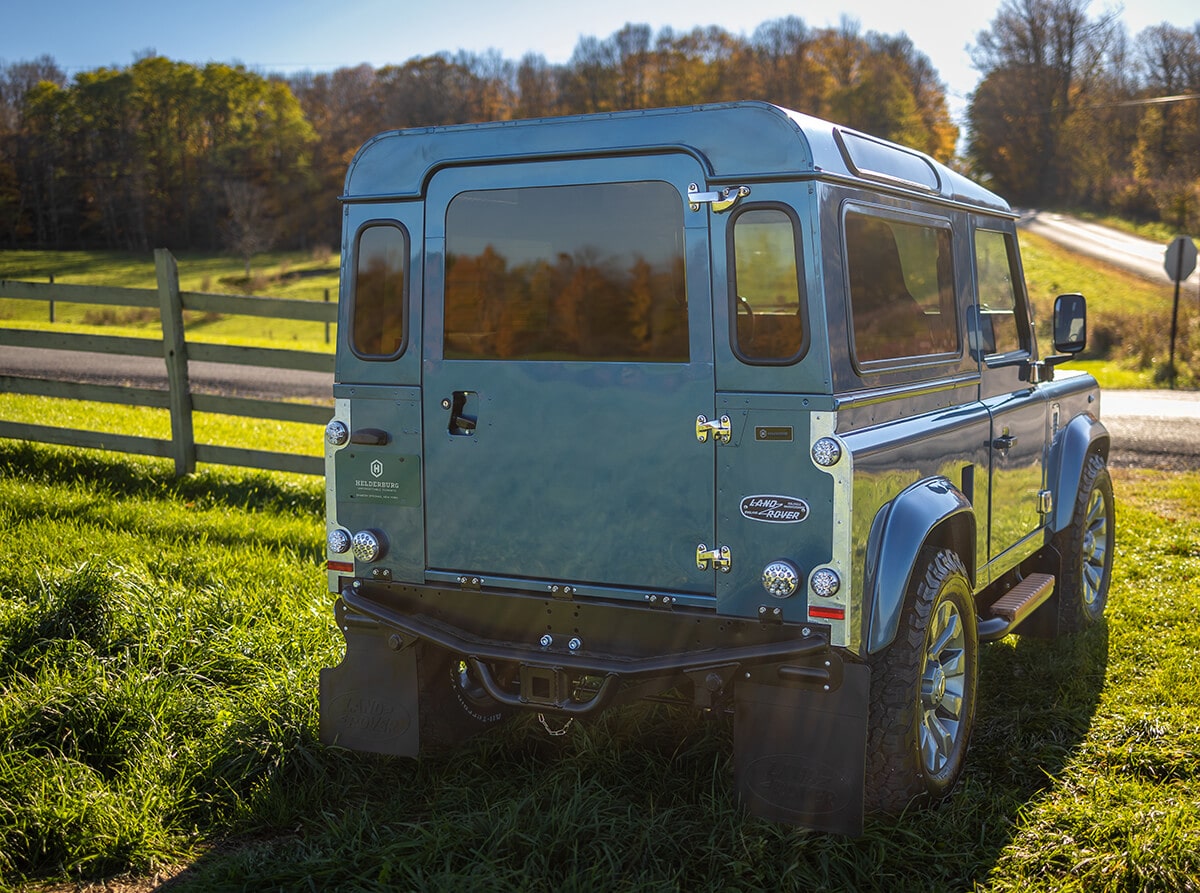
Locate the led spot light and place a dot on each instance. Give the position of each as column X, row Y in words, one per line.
column 337, row 433
column 781, row 579
column 826, row 452
column 825, row 583
column 369, row 545
column 338, row 541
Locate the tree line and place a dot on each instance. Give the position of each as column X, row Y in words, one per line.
column 167, row 153
column 1071, row 111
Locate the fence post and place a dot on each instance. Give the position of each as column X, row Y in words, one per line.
column 52, row 301
column 183, row 443
column 326, row 324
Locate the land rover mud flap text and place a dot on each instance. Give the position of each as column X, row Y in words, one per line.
column 369, row 701
column 800, row 753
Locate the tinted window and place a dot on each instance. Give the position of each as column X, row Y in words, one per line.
column 766, row 286
column 998, row 331
column 877, row 160
column 567, row 273
column 901, row 288
column 379, row 290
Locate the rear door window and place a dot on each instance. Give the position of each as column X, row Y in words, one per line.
column 581, row 272
column 380, row 284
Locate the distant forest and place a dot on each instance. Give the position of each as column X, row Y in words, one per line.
column 1070, row 111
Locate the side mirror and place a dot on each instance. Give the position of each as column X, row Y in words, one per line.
column 1070, row 324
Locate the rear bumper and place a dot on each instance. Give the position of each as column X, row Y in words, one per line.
column 611, row 642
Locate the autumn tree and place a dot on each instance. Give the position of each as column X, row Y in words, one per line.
column 1039, row 61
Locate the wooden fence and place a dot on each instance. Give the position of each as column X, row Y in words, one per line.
column 177, row 352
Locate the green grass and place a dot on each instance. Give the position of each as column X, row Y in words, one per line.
column 210, row 428
column 160, row 641
column 1129, row 318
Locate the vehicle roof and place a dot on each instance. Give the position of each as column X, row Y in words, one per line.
column 734, row 141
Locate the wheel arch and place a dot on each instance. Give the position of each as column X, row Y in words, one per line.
column 1081, row 437
column 932, row 512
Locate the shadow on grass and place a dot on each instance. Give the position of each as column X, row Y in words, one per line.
column 155, row 478
column 640, row 799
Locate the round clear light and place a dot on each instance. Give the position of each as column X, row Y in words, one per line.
column 826, row 452
column 338, row 541
column 826, row 583
column 781, row 578
column 368, row 545
column 337, row 433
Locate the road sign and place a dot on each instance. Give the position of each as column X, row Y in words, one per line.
column 1180, row 259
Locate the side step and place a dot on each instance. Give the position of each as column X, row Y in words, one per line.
column 1015, row 605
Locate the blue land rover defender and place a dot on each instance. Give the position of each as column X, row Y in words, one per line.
column 727, row 402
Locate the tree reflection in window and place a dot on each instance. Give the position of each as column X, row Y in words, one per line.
column 591, row 273
column 378, row 325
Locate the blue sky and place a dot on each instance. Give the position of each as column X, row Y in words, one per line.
column 277, row 36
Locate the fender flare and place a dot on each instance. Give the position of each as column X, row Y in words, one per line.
column 1081, row 437
column 932, row 510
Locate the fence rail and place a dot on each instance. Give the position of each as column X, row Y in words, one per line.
column 176, row 352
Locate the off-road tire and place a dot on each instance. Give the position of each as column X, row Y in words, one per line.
column 937, row 630
column 1086, row 547
column 450, row 712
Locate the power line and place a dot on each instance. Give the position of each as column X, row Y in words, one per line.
column 1150, row 100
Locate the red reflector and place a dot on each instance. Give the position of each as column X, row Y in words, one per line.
column 827, row 613
column 343, row 566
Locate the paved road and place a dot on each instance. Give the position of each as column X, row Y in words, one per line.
column 1137, row 255
column 207, row 378
column 1153, row 429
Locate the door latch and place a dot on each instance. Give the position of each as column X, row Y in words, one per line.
column 721, row 429
column 719, row 558
column 721, row 199
column 1004, row 442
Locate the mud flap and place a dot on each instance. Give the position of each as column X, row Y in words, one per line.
column 800, row 753
column 369, row 700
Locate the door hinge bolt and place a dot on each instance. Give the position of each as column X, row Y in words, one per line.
column 721, row 429
column 719, row 558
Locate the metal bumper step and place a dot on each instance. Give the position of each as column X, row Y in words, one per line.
column 1015, row 605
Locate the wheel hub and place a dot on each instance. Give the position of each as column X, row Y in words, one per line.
column 936, row 686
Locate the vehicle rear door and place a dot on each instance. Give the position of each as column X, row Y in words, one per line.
column 567, row 356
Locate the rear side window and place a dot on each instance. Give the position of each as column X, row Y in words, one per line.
column 767, row 302
column 380, row 256
column 901, row 279
column 996, row 270
column 584, row 273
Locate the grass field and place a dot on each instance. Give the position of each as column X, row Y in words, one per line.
column 159, row 647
